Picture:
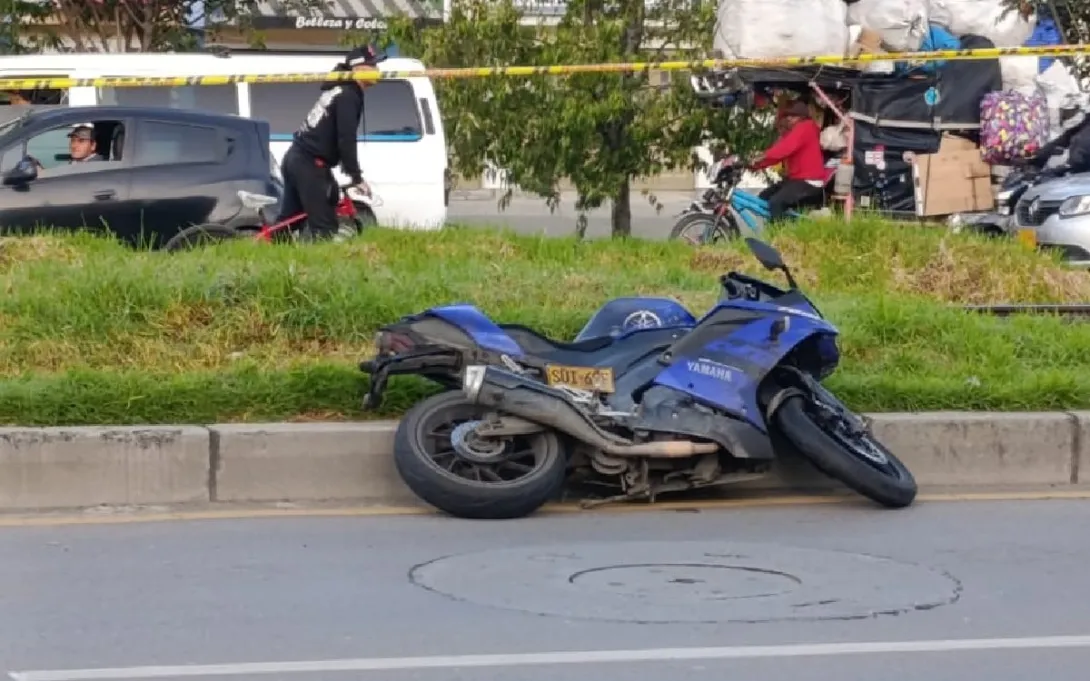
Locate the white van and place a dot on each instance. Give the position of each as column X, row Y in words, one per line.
column 402, row 147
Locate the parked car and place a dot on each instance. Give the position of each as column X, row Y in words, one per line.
column 1056, row 215
column 161, row 170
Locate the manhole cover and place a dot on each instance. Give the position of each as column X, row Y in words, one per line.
column 686, row 581
column 661, row 582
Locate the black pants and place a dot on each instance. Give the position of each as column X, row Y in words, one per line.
column 788, row 194
column 309, row 188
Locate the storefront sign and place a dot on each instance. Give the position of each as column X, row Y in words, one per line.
column 333, row 23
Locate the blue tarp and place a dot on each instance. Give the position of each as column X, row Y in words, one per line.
column 937, row 38
column 1046, row 33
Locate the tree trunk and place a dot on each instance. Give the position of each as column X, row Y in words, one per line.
column 621, row 211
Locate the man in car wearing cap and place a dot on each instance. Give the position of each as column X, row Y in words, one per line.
column 799, row 149
column 327, row 137
column 82, row 145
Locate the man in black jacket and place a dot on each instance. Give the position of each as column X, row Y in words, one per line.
column 327, row 137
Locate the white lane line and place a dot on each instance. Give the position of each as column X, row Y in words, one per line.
column 378, row 664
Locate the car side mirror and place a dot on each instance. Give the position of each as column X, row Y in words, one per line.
column 25, row 171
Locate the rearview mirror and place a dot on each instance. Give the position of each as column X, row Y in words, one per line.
column 765, row 254
column 25, row 171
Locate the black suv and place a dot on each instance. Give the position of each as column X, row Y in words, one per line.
column 154, row 171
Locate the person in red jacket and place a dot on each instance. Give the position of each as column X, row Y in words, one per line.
column 799, row 149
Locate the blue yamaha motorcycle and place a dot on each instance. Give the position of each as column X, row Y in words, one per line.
column 648, row 400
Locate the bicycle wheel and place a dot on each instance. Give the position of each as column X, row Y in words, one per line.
column 201, row 235
column 701, row 229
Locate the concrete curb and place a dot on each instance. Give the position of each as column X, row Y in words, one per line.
column 77, row 467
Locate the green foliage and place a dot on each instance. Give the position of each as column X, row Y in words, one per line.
column 598, row 130
column 1073, row 18
column 21, row 32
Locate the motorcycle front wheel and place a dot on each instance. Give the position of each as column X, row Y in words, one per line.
column 828, row 437
column 442, row 463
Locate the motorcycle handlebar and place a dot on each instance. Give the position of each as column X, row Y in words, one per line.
column 730, row 283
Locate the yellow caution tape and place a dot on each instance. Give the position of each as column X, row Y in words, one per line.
column 555, row 70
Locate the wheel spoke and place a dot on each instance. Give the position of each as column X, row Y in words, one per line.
column 521, row 468
column 445, row 459
column 490, row 473
column 479, row 460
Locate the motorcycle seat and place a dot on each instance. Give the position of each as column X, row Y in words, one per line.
column 536, row 343
column 596, row 351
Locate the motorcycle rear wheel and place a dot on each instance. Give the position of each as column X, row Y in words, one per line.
column 856, row 459
column 521, row 475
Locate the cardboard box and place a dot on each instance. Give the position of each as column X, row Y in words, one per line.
column 868, row 42
column 954, row 180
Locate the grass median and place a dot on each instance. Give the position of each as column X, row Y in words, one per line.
column 94, row 333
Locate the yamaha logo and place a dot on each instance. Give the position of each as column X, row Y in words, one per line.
column 641, row 319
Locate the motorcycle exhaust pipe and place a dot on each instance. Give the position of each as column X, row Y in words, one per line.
column 528, row 399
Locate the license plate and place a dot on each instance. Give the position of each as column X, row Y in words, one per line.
column 586, row 378
column 1028, row 237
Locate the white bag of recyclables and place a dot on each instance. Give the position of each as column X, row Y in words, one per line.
column 1020, row 73
column 764, row 29
column 901, row 23
column 1059, row 86
column 991, row 19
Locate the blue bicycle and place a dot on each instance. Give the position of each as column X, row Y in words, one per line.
column 725, row 211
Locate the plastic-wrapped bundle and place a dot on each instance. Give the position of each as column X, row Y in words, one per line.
column 901, row 24
column 764, row 29
column 991, row 19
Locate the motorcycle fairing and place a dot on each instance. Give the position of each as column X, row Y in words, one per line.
column 622, row 316
column 723, row 361
column 474, row 323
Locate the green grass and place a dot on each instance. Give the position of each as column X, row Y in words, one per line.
column 92, row 332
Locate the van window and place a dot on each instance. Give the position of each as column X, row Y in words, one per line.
column 161, row 143
column 389, row 109
column 45, row 96
column 222, row 99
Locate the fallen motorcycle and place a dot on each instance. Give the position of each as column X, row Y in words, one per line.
column 644, row 410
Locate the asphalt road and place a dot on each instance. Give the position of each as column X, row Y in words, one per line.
column 969, row 591
column 532, row 216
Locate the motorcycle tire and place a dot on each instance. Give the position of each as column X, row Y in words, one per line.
column 722, row 230
column 436, row 479
column 890, row 484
